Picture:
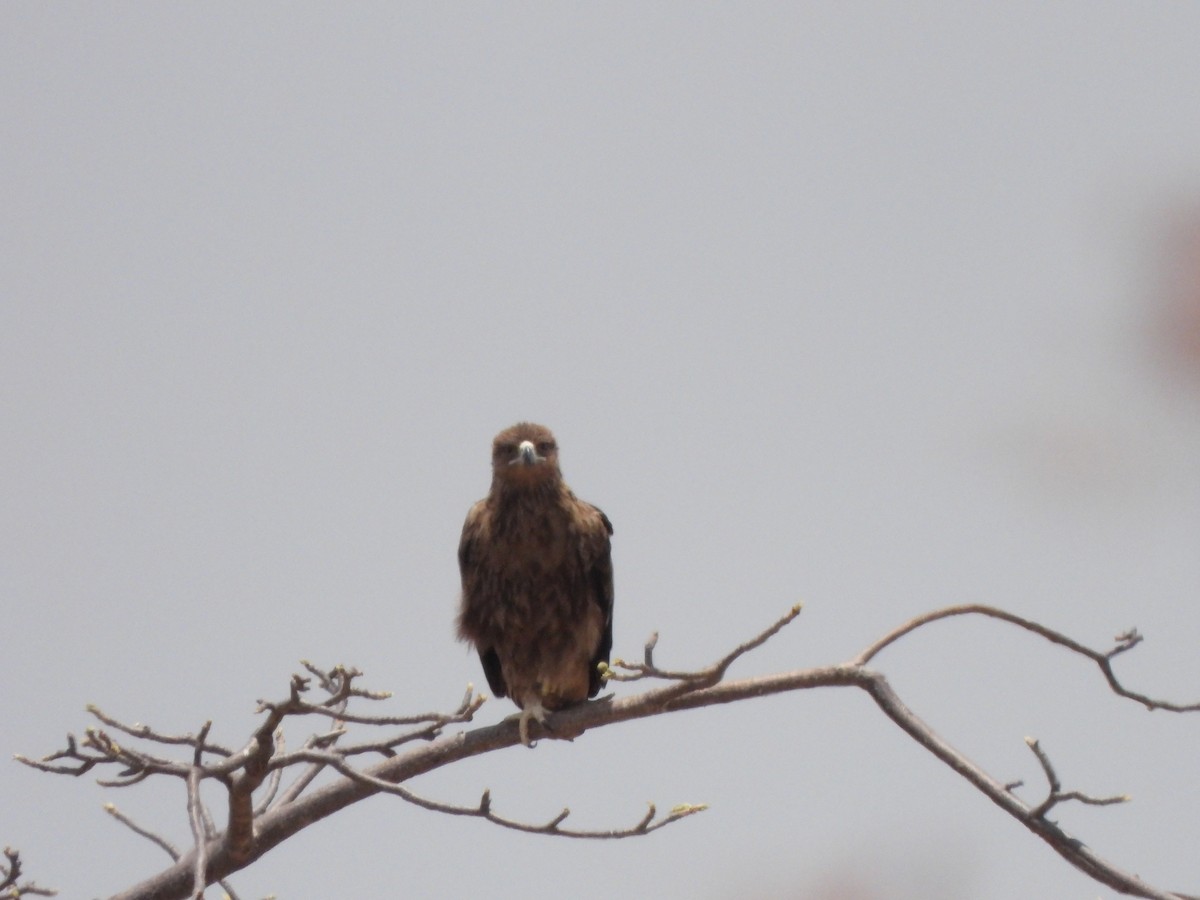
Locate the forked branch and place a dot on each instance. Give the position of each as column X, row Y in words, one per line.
column 1124, row 641
column 11, row 886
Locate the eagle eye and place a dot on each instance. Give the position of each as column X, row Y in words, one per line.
column 545, row 447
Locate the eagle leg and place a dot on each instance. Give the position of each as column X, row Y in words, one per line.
column 533, row 709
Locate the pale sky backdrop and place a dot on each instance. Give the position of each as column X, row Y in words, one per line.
column 876, row 306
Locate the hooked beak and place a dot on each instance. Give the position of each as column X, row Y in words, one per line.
column 526, row 455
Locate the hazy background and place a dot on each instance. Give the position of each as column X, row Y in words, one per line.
column 880, row 307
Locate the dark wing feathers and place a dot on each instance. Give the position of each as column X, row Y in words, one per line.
column 600, row 580
column 468, row 557
column 468, row 544
column 491, row 668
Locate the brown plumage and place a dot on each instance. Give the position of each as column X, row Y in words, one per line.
column 537, row 584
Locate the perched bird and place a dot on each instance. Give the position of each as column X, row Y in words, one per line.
column 537, row 581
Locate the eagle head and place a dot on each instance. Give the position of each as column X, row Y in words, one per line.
column 525, row 454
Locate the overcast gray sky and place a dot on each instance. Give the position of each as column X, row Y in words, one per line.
column 880, row 307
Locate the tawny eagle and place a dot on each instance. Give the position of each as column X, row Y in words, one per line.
column 537, row 581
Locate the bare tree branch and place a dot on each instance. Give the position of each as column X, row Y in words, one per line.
column 252, row 829
column 484, row 810
column 1056, row 794
column 170, row 849
column 1124, row 641
column 145, row 732
column 10, row 877
column 702, row 677
column 194, row 806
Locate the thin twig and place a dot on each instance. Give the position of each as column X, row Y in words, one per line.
column 483, row 810
column 10, row 888
column 1056, row 794
column 708, row 675
column 145, row 732
column 171, row 850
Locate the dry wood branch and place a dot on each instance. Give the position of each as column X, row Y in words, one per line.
column 12, row 871
column 145, row 732
column 1068, row 847
column 626, row 671
column 1126, row 640
column 85, row 762
column 274, row 779
column 484, row 810
column 253, row 830
column 170, row 849
column 1056, row 794
column 199, row 833
column 11, row 886
column 136, row 766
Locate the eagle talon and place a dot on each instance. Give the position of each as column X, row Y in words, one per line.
column 523, row 731
column 535, row 711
